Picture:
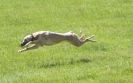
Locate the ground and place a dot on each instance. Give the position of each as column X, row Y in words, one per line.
column 109, row 60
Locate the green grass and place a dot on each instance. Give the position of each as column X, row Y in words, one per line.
column 109, row 60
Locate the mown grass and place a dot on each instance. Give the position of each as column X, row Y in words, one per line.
column 109, row 60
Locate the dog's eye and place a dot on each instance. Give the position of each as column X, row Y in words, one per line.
column 25, row 40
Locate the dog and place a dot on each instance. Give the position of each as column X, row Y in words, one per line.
column 40, row 38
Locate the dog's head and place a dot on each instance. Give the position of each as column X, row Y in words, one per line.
column 27, row 39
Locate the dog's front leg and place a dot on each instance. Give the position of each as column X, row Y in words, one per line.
column 29, row 48
column 28, row 43
column 22, row 50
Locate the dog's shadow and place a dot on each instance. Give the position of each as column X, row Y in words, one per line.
column 51, row 64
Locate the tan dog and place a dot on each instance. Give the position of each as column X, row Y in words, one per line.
column 41, row 38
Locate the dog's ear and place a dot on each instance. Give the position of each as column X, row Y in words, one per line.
column 34, row 37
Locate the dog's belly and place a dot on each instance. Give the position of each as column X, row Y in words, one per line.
column 48, row 42
column 52, row 39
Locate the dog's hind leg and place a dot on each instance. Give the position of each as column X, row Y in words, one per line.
column 78, row 41
column 75, row 40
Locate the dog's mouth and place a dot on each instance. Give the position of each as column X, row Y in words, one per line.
column 23, row 43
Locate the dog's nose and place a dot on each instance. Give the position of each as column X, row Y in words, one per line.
column 21, row 44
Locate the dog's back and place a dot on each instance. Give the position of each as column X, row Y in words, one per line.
column 49, row 38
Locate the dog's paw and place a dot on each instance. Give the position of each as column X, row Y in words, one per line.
column 20, row 51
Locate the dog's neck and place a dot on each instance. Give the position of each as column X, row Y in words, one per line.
column 33, row 38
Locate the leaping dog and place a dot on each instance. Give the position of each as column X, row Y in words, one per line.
column 40, row 38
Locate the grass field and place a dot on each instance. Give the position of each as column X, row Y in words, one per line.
column 109, row 60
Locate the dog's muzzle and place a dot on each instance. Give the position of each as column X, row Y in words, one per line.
column 23, row 43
